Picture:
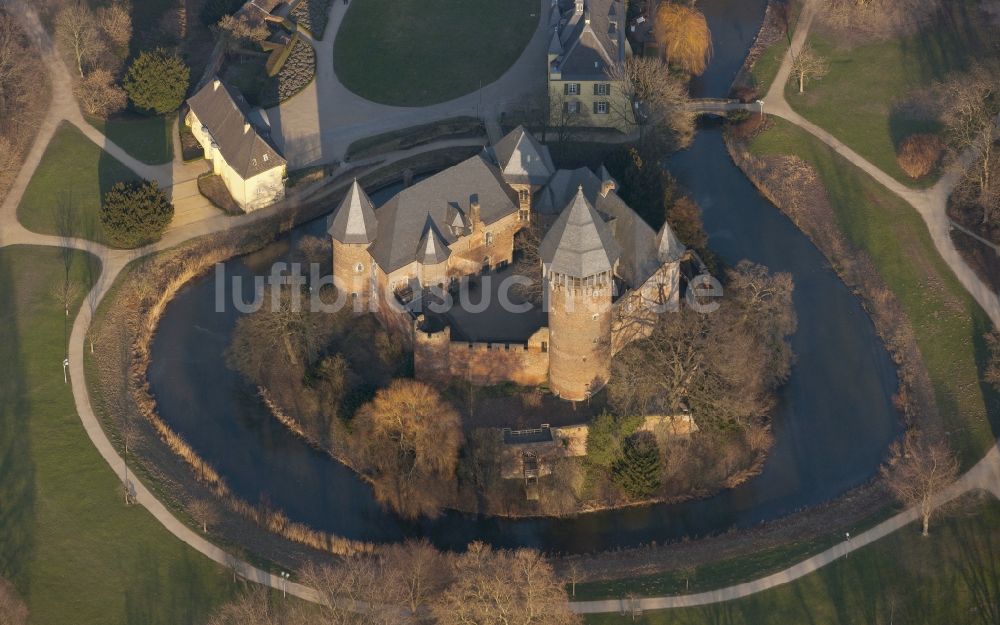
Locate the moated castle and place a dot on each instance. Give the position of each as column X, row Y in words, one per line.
column 606, row 273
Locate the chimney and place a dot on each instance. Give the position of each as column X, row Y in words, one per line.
column 474, row 211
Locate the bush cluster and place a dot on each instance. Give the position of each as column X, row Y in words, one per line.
column 919, row 154
column 134, row 214
column 312, row 15
column 157, row 81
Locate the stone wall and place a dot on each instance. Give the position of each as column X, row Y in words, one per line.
column 436, row 358
column 637, row 311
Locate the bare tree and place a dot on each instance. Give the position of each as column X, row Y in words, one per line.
column 204, row 512
column 722, row 365
column 808, row 65
column 420, row 572
column 116, row 22
column 565, row 117
column 66, row 292
column 79, row 35
column 919, row 468
column 574, row 573
column 528, row 263
column 12, row 608
column 971, row 115
column 251, row 607
column 99, row 95
column 284, row 327
column 500, row 587
column 21, row 92
column 349, row 592
column 647, row 96
column 237, row 31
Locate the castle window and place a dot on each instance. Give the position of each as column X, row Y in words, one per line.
column 489, row 238
column 359, row 268
column 545, row 347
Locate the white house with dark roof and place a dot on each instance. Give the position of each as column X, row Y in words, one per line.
column 241, row 153
column 602, row 263
column 588, row 41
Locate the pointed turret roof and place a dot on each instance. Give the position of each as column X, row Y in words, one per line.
column 555, row 46
column 354, row 220
column 579, row 244
column 522, row 159
column 432, row 248
column 668, row 247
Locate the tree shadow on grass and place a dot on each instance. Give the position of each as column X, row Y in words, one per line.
column 956, row 38
column 17, row 467
column 981, row 325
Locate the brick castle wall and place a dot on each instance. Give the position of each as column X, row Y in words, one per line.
column 580, row 350
column 436, row 358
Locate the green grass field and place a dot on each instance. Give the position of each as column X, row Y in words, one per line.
column 949, row 325
column 147, row 139
column 65, row 193
column 724, row 573
column 953, row 576
column 72, row 548
column 419, row 52
column 860, row 99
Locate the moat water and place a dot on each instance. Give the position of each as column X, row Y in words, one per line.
column 832, row 425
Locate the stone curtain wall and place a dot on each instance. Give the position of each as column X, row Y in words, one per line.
column 436, row 358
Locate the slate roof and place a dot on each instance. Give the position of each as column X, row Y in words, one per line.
column 593, row 40
column 580, row 243
column 432, row 248
column 402, row 220
column 643, row 250
column 354, row 220
column 522, row 159
column 224, row 111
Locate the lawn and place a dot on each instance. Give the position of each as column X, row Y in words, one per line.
column 148, row 139
column 74, row 551
column 419, row 52
column 951, row 577
column 860, row 99
column 65, row 193
column 949, row 325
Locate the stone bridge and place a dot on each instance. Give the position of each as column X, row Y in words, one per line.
column 721, row 106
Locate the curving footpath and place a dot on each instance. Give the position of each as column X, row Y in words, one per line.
column 985, row 475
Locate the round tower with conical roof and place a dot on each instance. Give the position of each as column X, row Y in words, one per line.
column 579, row 255
column 352, row 229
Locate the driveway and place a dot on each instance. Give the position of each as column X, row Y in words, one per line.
column 317, row 125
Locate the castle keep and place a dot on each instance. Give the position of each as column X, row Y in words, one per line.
column 606, row 273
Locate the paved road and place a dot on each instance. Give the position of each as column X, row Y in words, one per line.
column 985, row 475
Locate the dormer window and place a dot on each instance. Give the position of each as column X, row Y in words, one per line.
column 265, row 158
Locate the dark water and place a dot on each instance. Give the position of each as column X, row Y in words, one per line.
column 832, row 425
